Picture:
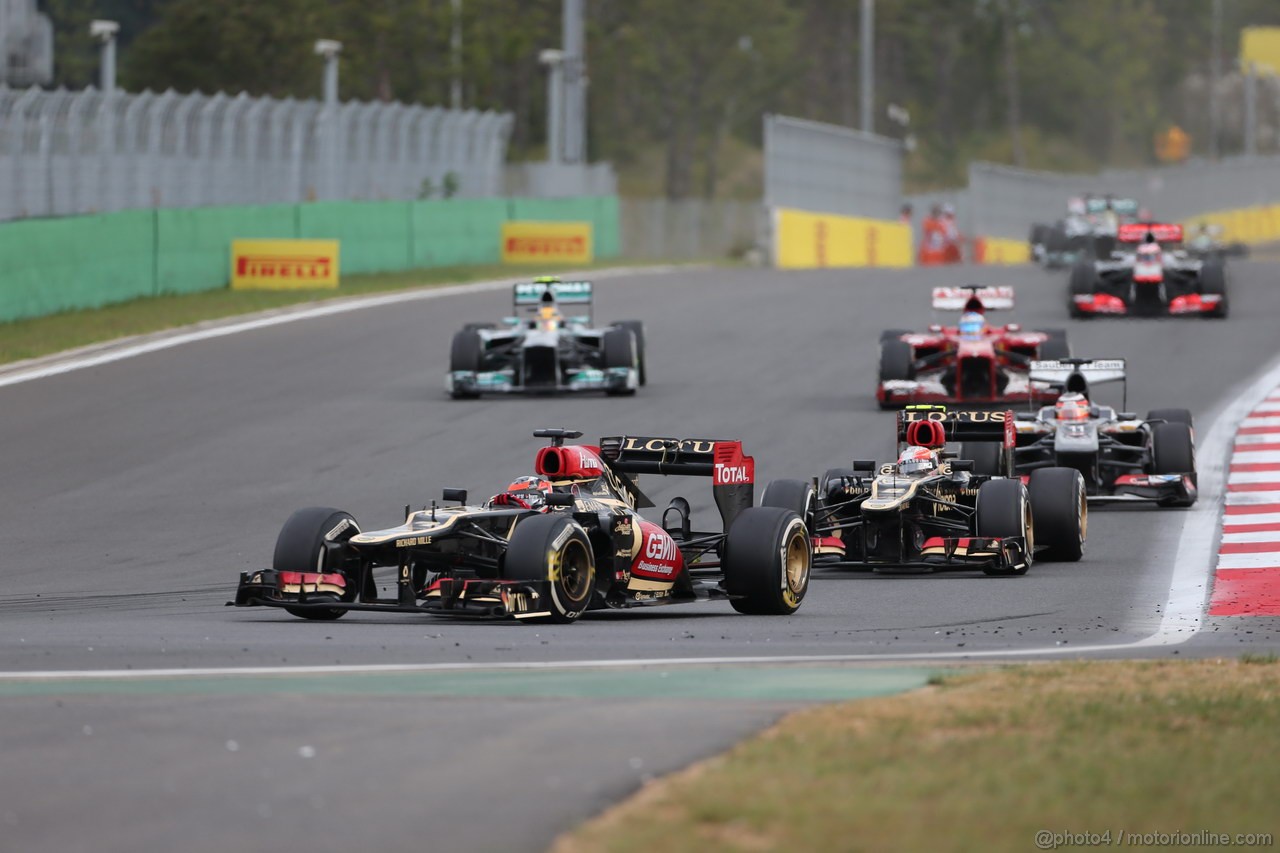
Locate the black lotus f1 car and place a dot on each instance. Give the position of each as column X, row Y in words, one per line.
column 873, row 517
column 544, row 351
column 560, row 542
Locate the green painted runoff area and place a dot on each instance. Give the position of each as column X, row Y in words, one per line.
column 52, row 265
column 785, row 683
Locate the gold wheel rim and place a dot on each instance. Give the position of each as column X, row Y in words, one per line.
column 575, row 571
column 796, row 568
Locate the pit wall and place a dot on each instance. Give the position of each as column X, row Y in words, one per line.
column 48, row 266
column 805, row 240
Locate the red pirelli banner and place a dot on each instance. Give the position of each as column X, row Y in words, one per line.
column 283, row 264
column 538, row 242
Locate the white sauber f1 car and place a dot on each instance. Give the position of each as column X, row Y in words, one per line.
column 1121, row 456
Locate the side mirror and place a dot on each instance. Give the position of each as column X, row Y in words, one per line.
column 1126, row 416
column 961, row 464
column 459, row 495
column 1013, row 327
column 864, row 464
column 560, row 499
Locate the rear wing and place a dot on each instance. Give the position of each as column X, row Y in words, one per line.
column 1080, row 374
column 565, row 292
column 969, row 426
column 958, row 298
column 1141, row 232
column 732, row 473
column 961, row 426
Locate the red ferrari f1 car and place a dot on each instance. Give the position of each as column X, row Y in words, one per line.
column 972, row 362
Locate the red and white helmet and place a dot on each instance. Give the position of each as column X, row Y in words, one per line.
column 1072, row 407
column 917, row 461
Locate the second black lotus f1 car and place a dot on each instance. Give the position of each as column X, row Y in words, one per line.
column 931, row 511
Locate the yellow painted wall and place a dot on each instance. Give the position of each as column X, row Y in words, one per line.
column 998, row 250
column 805, row 240
column 1243, row 225
column 1261, row 46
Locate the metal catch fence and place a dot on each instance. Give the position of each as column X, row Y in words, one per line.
column 67, row 153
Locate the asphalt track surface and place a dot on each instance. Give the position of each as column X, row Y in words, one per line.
column 134, row 492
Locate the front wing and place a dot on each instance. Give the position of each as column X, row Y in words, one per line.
column 939, row 554
column 503, row 382
column 903, row 392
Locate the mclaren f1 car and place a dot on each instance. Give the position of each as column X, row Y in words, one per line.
column 541, row 350
column 932, row 511
column 1122, row 457
column 970, row 363
column 1151, row 275
column 564, row 540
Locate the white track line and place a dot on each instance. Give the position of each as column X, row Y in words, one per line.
column 118, row 350
column 1182, row 614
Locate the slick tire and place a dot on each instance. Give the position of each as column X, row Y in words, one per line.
column 767, row 558
column 895, row 360
column 893, row 334
column 986, row 455
column 1083, row 279
column 637, row 329
column 312, row 540
column 555, row 549
column 619, row 350
column 1173, row 416
column 1061, row 512
column 1213, row 280
column 795, row 495
column 1173, row 451
column 1003, row 510
column 465, row 353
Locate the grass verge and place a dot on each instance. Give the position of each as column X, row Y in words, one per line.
column 983, row 761
column 40, row 336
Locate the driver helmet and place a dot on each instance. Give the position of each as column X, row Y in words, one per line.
column 1075, row 206
column 917, row 461
column 971, row 324
column 1149, row 252
column 1072, row 407
column 529, row 492
column 948, row 209
column 548, row 317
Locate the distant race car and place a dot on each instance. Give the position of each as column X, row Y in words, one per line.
column 554, row 544
column 1151, row 276
column 1122, row 457
column 544, row 351
column 932, row 511
column 1088, row 231
column 1207, row 244
column 970, row 363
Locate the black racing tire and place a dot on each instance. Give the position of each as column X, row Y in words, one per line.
column 1172, row 449
column 553, row 548
column 475, row 327
column 896, row 360
column 1060, row 508
column 1082, row 283
column 1003, row 510
column 1055, row 346
column 893, row 334
column 767, row 558
column 1174, row 416
column 1055, row 239
column 465, row 353
column 1213, row 280
column 619, row 349
column 301, row 547
column 987, row 456
column 637, row 329
column 824, row 484
column 795, row 495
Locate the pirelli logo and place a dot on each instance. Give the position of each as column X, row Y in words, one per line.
column 284, row 264
column 536, row 242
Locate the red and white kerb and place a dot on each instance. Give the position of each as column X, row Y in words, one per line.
column 1247, row 580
